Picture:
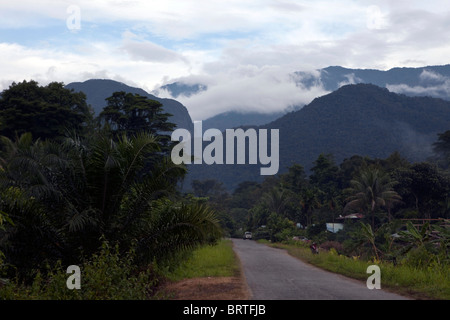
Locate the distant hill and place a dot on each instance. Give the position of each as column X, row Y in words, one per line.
column 97, row 90
column 433, row 81
column 177, row 89
column 234, row 119
column 358, row 119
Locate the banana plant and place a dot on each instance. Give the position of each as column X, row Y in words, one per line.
column 415, row 237
column 369, row 236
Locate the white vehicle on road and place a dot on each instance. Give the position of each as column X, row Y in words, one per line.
column 247, row 235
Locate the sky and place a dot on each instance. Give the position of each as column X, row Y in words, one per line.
column 244, row 51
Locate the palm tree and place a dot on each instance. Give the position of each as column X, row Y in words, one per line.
column 275, row 200
column 65, row 197
column 370, row 190
column 174, row 227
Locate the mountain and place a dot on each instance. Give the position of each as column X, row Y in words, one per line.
column 433, row 81
column 177, row 89
column 363, row 119
column 234, row 119
column 97, row 90
column 360, row 119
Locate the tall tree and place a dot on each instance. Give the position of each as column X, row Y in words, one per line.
column 309, row 202
column 295, row 179
column 275, row 200
column 47, row 112
column 427, row 184
column 325, row 177
column 131, row 113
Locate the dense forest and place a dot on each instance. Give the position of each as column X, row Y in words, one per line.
column 101, row 192
column 360, row 119
column 390, row 208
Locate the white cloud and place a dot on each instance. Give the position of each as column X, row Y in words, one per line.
column 428, row 75
column 376, row 20
column 436, row 85
column 246, row 89
column 151, row 52
column 243, row 50
column 101, row 61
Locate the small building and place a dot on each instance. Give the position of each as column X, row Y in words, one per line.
column 334, row 227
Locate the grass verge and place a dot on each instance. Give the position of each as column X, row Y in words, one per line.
column 208, row 261
column 418, row 283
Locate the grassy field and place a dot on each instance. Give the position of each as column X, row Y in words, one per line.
column 208, row 261
column 430, row 283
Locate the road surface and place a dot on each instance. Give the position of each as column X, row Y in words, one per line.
column 272, row 274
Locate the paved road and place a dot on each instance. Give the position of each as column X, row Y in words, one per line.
column 272, row 274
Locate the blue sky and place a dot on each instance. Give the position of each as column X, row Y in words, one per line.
column 243, row 50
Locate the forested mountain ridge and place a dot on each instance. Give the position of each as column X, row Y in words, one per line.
column 367, row 120
column 432, row 81
column 232, row 119
column 358, row 119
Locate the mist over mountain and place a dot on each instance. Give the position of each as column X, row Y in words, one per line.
column 432, row 81
column 234, row 119
column 360, row 119
column 177, row 89
column 97, row 90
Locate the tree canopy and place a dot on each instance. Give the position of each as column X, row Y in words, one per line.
column 131, row 113
column 69, row 186
column 46, row 112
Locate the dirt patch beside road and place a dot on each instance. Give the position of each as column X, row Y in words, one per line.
column 209, row 288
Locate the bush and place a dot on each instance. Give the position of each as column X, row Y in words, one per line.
column 315, row 229
column 106, row 276
column 420, row 257
column 321, row 237
column 327, row 245
column 261, row 233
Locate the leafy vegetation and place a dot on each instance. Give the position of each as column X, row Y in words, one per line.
column 45, row 112
column 107, row 274
column 390, row 211
column 432, row 282
column 70, row 198
column 103, row 194
column 370, row 190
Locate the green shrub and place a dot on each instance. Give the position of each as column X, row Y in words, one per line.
column 106, row 276
column 328, row 245
column 420, row 257
column 315, row 229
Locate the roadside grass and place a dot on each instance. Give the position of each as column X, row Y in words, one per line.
column 417, row 283
column 208, row 261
